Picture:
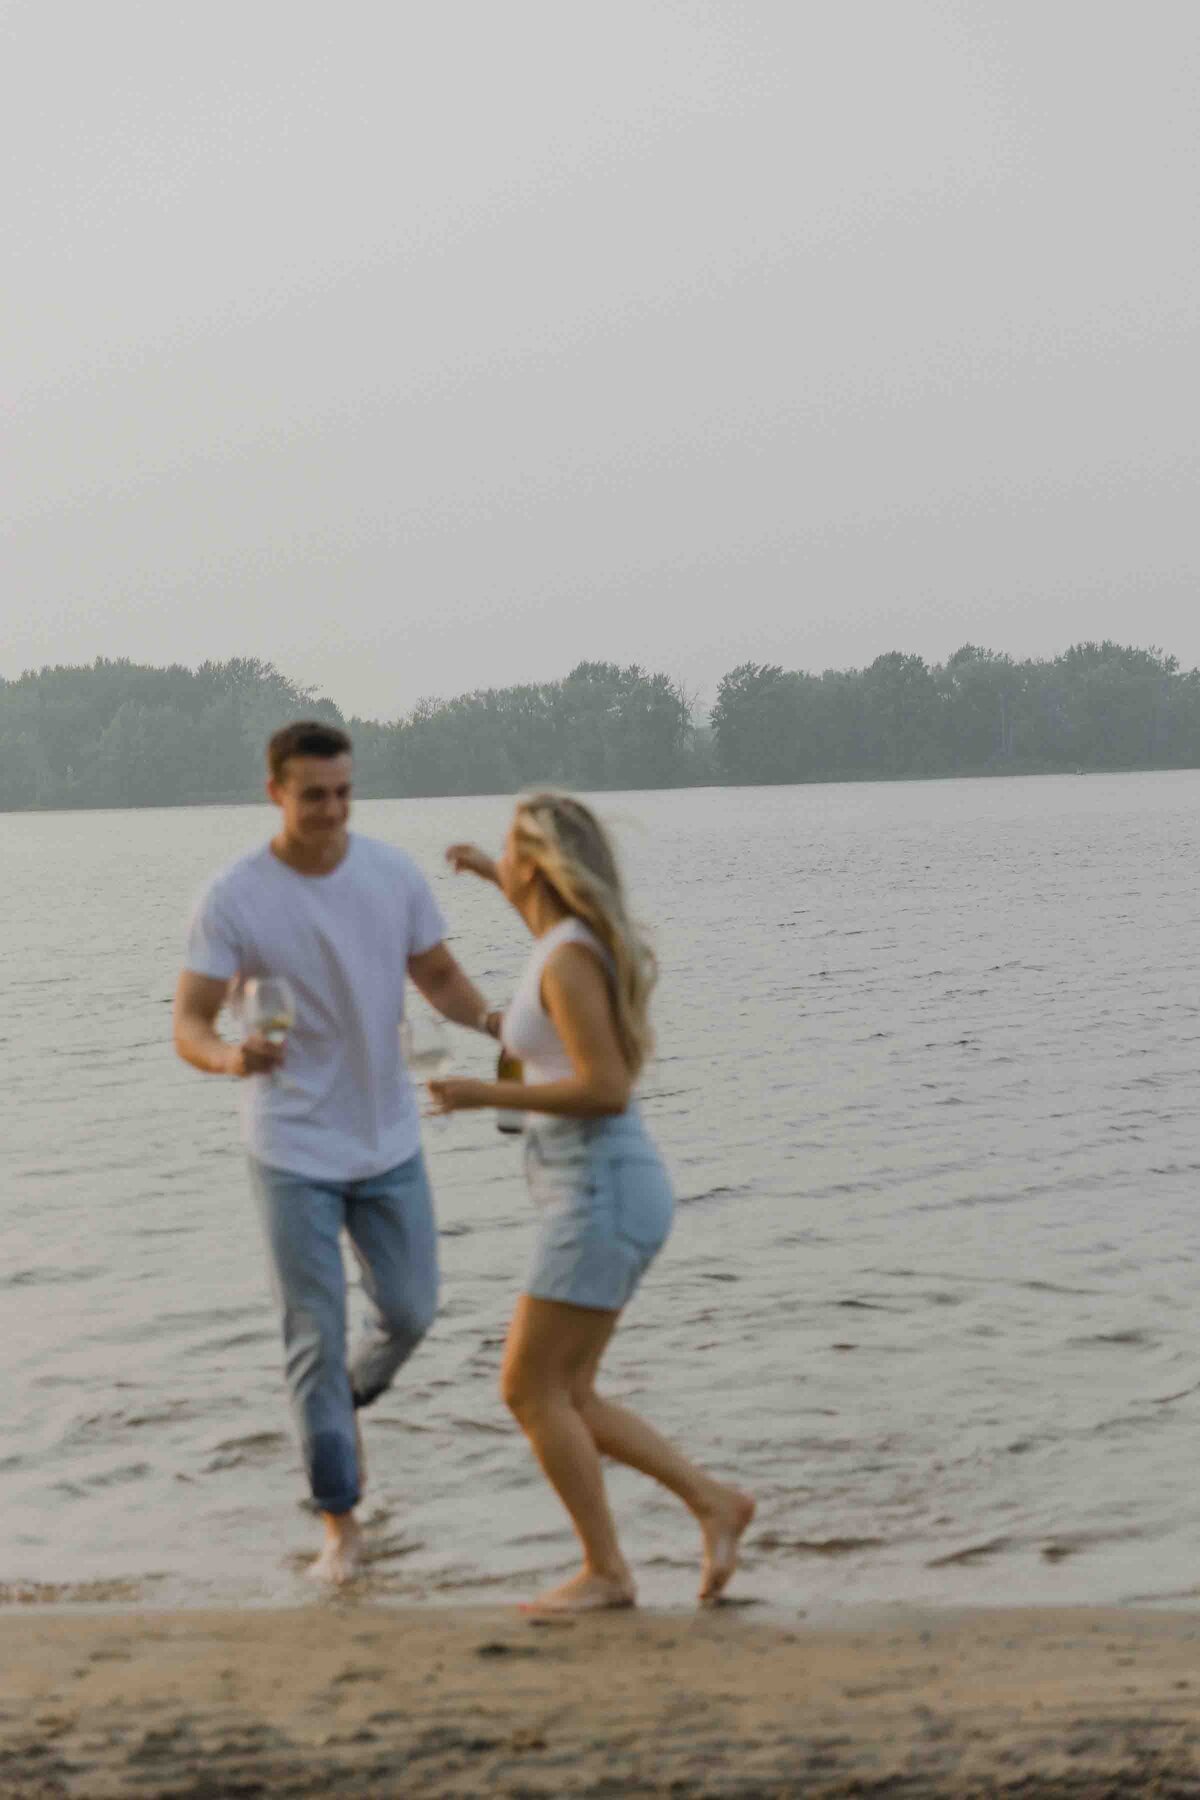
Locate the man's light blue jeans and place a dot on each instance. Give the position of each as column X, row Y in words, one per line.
column 389, row 1221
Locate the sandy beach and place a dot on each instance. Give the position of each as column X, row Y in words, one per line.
column 357, row 1699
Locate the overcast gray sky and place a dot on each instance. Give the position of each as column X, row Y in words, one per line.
column 420, row 347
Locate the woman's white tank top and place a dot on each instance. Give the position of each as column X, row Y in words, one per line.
column 528, row 1033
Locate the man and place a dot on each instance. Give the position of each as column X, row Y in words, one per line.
column 334, row 1142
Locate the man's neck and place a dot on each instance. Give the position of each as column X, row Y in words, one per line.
column 307, row 860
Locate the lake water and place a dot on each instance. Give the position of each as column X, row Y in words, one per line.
column 927, row 1080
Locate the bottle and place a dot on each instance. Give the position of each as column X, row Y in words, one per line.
column 509, row 1069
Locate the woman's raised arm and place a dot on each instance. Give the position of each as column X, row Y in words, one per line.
column 470, row 858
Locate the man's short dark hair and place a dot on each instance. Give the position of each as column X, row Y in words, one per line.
column 306, row 737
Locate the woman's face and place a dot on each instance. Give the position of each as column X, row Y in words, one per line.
column 515, row 871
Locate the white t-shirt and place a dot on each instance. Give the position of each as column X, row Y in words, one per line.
column 344, row 1108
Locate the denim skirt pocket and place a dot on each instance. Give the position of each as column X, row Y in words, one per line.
column 604, row 1205
column 644, row 1203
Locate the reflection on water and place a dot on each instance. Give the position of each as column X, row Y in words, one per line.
column 927, row 1082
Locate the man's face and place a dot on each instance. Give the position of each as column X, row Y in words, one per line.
column 313, row 794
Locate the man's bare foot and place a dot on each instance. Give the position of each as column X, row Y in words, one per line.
column 339, row 1561
column 722, row 1529
column 584, row 1592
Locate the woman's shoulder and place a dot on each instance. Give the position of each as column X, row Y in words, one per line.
column 571, row 937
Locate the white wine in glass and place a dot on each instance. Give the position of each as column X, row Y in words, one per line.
column 269, row 1008
column 425, row 1046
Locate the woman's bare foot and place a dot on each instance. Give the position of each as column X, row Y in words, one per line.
column 339, row 1561
column 585, row 1592
column 722, row 1528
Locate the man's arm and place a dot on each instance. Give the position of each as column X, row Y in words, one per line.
column 576, row 997
column 436, row 974
column 198, row 1000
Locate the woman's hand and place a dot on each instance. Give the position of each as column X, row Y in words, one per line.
column 469, row 858
column 458, row 1093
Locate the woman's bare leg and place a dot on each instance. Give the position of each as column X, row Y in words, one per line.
column 722, row 1512
column 549, row 1345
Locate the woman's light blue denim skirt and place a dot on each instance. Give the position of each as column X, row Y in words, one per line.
column 604, row 1204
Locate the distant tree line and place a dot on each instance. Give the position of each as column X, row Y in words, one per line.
column 123, row 734
column 1098, row 706
column 117, row 733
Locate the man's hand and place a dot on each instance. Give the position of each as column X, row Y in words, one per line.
column 254, row 1057
column 198, row 1000
column 470, row 859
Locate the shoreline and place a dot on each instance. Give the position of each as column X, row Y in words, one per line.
column 878, row 777
column 350, row 1697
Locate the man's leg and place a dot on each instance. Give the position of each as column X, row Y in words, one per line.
column 392, row 1231
column 302, row 1220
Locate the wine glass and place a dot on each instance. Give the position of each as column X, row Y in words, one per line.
column 425, row 1046
column 269, row 1008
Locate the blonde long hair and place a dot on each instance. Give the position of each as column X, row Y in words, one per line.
column 575, row 856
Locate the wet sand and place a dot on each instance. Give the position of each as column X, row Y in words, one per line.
column 361, row 1700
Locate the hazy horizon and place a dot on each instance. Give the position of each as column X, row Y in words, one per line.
column 420, row 350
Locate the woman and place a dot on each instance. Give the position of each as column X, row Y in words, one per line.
column 579, row 1025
